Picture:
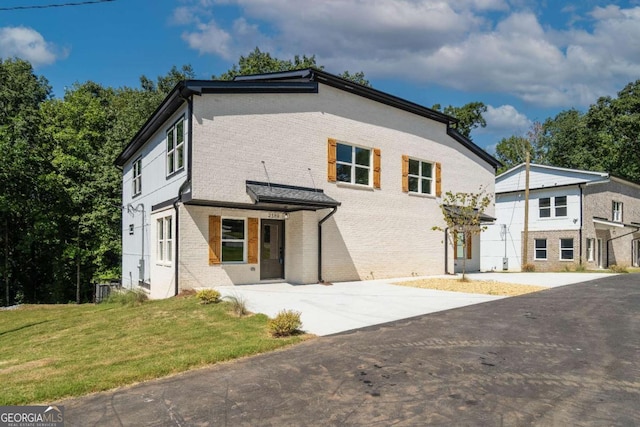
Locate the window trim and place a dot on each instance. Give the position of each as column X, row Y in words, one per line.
column 171, row 160
column 244, row 240
column 614, row 211
column 164, row 240
column 136, row 180
column 536, row 249
column 354, row 165
column 420, row 177
column 561, row 248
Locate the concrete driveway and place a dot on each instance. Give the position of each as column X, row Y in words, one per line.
column 562, row 357
column 330, row 309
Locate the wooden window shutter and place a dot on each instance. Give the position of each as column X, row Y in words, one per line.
column 438, row 180
column 376, row 168
column 214, row 239
column 467, row 241
column 405, row 174
column 331, row 160
column 252, row 250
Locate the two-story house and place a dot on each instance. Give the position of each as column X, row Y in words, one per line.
column 576, row 217
column 297, row 176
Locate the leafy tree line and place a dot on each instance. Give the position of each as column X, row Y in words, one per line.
column 604, row 138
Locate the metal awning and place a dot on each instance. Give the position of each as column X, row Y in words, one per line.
column 288, row 196
column 605, row 224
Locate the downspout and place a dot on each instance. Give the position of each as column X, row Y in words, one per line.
column 614, row 238
column 183, row 187
column 329, row 215
column 580, row 230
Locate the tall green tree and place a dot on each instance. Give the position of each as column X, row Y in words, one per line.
column 28, row 198
column 470, row 116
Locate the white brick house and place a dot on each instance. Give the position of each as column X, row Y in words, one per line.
column 576, row 217
column 299, row 176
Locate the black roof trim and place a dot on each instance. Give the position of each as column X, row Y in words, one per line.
column 296, row 81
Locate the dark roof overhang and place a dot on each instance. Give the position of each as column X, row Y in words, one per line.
column 266, row 194
column 454, row 211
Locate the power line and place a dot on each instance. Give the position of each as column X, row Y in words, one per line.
column 47, row 6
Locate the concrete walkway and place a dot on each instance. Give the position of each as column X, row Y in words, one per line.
column 340, row 307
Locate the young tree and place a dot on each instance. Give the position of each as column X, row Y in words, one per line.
column 463, row 215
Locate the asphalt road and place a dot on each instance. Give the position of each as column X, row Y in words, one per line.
column 567, row 356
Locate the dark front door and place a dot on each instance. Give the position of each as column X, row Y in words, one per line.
column 272, row 249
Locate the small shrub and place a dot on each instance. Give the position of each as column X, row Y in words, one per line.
column 529, row 268
column 238, row 305
column 581, row 268
column 618, row 268
column 286, row 323
column 127, row 297
column 208, row 296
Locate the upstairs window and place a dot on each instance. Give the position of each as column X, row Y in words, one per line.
column 616, row 209
column 137, row 176
column 556, row 205
column 175, row 147
column 420, row 177
column 353, row 164
column 561, row 205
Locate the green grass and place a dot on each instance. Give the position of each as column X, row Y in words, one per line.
column 54, row 351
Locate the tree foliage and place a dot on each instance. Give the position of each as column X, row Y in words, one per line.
column 605, row 138
column 469, row 116
column 258, row 62
column 462, row 213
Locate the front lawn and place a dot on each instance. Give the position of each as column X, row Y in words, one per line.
column 48, row 352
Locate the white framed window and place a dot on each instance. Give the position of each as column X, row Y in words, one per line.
column 556, row 205
column 541, row 249
column 175, row 147
column 233, row 239
column 420, row 177
column 566, row 249
column 353, row 164
column 591, row 250
column 560, row 203
column 137, row 176
column 164, row 240
column 616, row 211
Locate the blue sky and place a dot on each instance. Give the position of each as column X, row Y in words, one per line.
column 526, row 60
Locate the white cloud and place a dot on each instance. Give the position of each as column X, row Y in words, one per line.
column 506, row 118
column 462, row 44
column 28, row 44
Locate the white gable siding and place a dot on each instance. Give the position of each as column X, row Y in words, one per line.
column 543, row 177
column 510, row 212
column 156, row 188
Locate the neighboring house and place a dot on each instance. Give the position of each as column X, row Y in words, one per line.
column 299, row 176
column 575, row 217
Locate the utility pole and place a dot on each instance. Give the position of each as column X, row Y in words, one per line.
column 525, row 239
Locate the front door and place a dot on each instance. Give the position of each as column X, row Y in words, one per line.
column 272, row 249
